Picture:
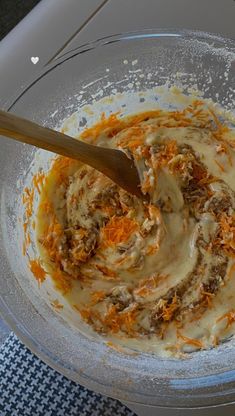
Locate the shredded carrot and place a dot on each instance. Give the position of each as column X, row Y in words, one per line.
column 169, row 308
column 24, row 249
column 111, row 319
column 113, row 125
column 120, row 321
column 215, row 118
column 51, row 239
column 46, row 206
column 97, row 297
column 133, row 138
column 146, row 286
column 37, row 270
column 146, row 185
column 27, row 239
column 230, row 316
column 62, row 281
column 118, row 230
column 227, row 233
column 223, row 148
column 154, row 213
column 143, row 292
column 60, row 168
column 207, row 298
column 163, row 157
column 123, row 259
column 109, row 124
column 25, row 226
column 220, row 166
column 56, row 304
column 152, row 248
column 215, row 341
column 197, row 103
column 38, row 181
column 28, row 198
column 115, row 347
column 106, row 271
column 61, row 163
column 121, row 350
column 85, row 312
column 190, row 341
column 207, row 180
column 128, row 319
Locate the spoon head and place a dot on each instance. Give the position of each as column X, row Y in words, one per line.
column 123, row 171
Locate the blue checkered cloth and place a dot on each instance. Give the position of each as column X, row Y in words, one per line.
column 28, row 387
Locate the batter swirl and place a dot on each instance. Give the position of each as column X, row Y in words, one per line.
column 155, row 275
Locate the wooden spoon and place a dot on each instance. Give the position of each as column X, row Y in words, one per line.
column 111, row 162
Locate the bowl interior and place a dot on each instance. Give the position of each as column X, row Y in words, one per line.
column 137, row 69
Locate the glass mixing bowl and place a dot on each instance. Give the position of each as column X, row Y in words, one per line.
column 130, row 62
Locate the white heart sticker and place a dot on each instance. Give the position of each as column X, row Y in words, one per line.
column 34, row 59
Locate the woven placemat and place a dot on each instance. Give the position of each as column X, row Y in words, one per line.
column 28, row 387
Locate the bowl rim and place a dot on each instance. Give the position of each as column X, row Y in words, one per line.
column 106, row 40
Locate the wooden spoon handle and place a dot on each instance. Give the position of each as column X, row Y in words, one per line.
column 31, row 133
column 112, row 162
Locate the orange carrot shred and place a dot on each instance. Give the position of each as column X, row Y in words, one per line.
column 230, row 316
column 190, row 341
column 118, row 230
column 37, row 270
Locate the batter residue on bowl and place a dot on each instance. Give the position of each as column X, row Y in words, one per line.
column 156, row 276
